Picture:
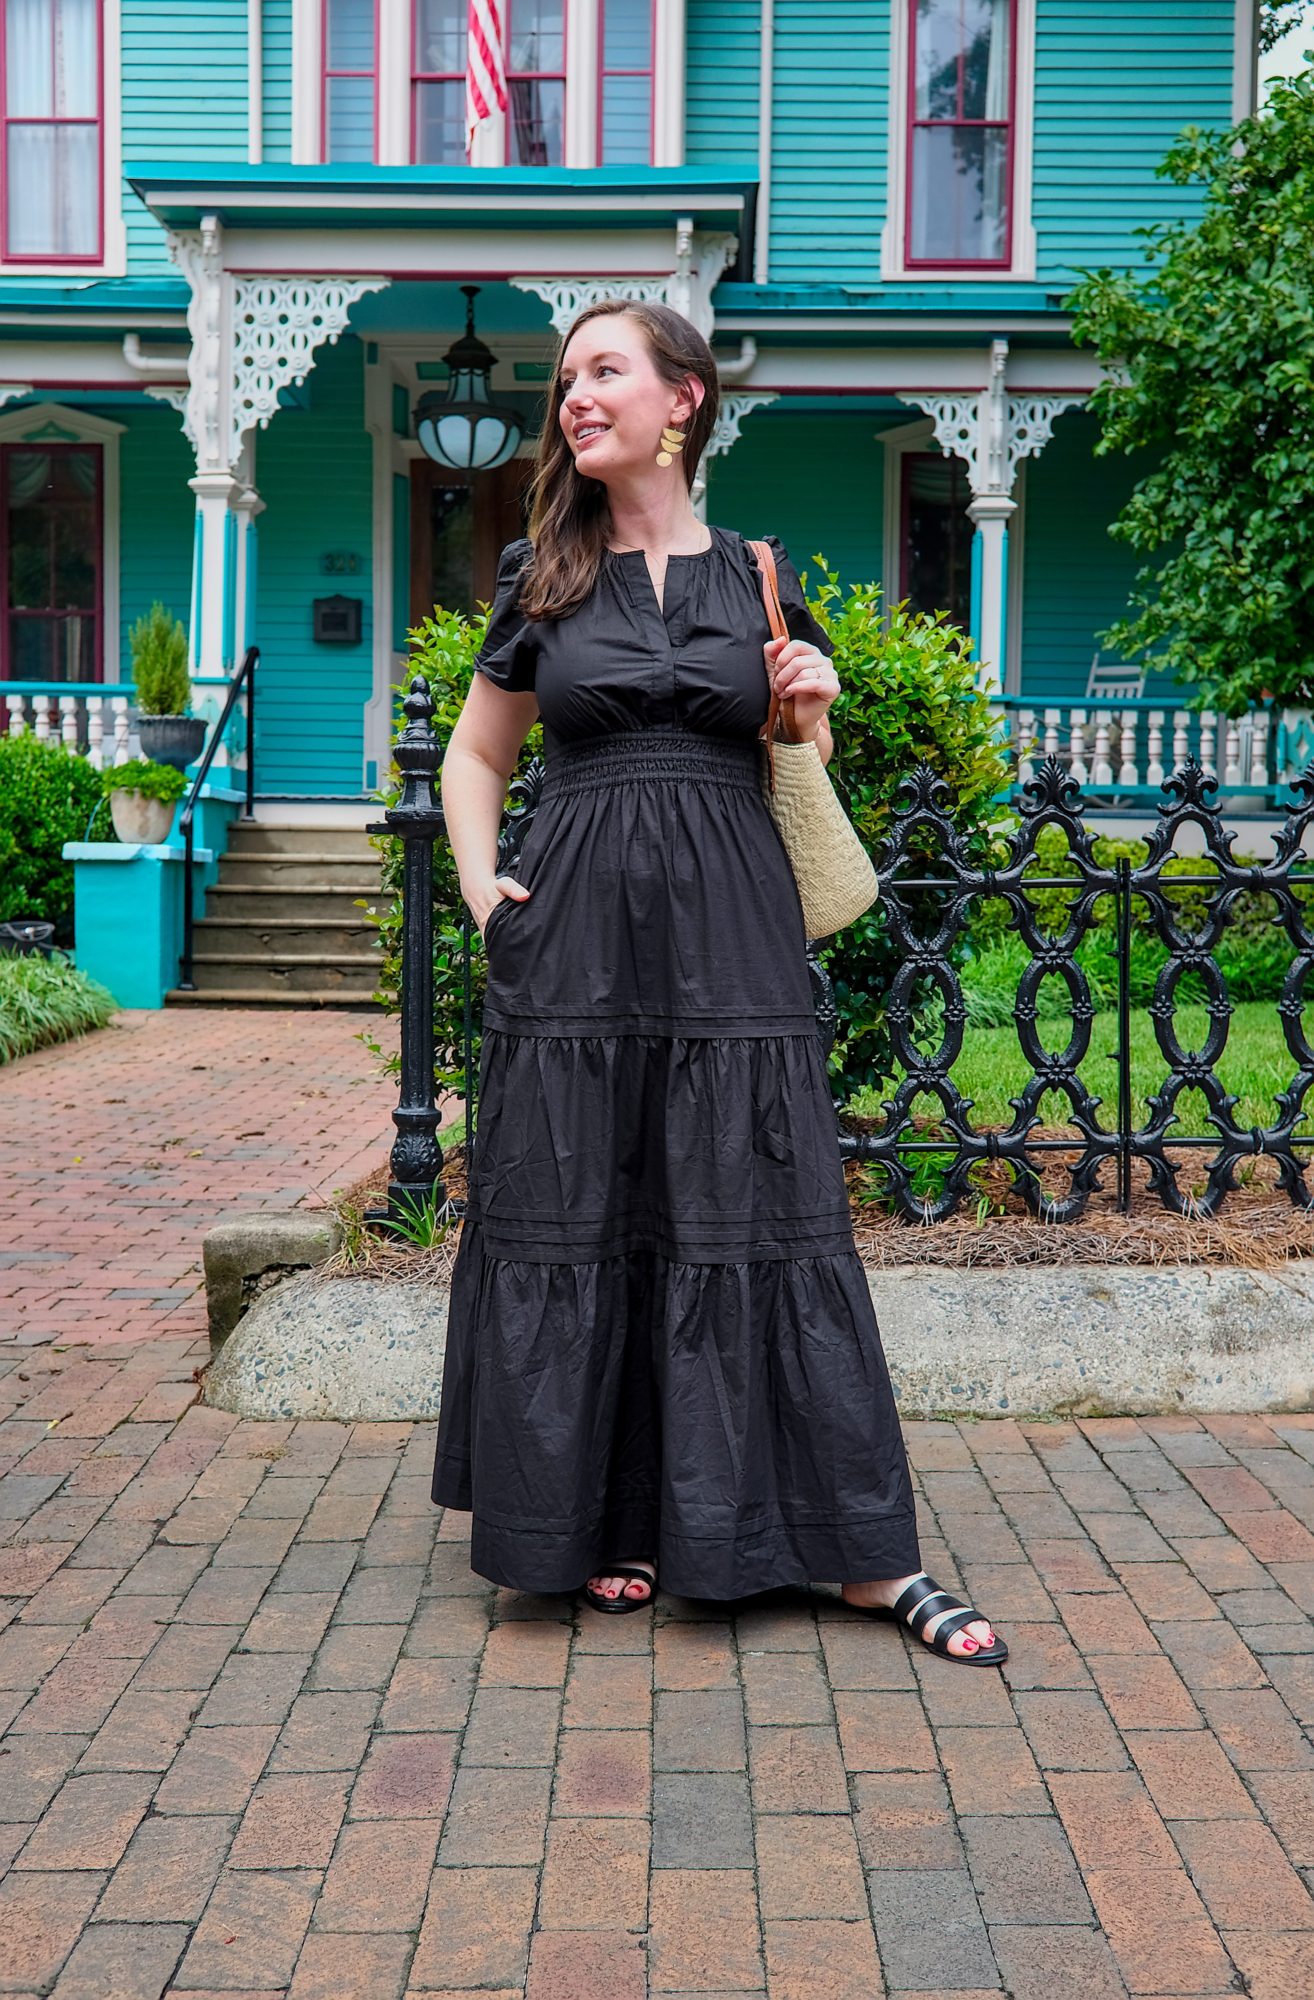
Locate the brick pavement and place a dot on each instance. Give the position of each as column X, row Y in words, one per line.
column 267, row 1735
column 118, row 1152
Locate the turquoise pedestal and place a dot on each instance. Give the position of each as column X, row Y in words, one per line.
column 128, row 904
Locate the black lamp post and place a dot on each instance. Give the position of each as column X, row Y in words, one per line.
column 460, row 425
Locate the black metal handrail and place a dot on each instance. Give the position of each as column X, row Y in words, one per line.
column 244, row 678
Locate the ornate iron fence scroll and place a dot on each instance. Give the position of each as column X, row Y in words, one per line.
column 1052, row 799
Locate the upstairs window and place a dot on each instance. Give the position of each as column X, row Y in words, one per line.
column 53, row 121
column 960, row 133
column 625, row 84
column 438, row 83
column 350, row 79
column 536, row 84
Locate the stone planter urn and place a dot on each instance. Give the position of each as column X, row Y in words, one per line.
column 171, row 739
column 139, row 820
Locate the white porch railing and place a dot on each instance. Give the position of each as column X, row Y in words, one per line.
column 93, row 718
column 1128, row 747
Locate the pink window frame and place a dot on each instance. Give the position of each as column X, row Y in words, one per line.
column 325, row 73
column 83, row 257
column 1001, row 263
column 650, row 73
column 96, row 609
column 561, row 76
column 419, row 76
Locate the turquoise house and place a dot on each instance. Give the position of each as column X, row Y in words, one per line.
column 233, row 246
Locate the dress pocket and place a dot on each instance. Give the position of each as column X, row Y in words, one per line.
column 490, row 921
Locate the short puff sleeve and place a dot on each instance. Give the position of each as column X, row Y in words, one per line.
column 799, row 621
column 510, row 650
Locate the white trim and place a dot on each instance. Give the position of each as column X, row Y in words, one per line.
column 392, row 142
column 114, row 262
column 583, row 53
column 307, row 82
column 1017, row 534
column 16, row 428
column 255, row 82
column 385, row 463
column 668, row 84
column 766, row 93
column 1245, row 60
column 1023, row 264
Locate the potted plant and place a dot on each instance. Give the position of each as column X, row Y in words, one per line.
column 142, row 797
column 166, row 728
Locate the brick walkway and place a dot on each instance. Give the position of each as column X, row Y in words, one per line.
column 118, row 1152
column 267, row 1735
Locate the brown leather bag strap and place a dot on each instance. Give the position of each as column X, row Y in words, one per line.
column 778, row 710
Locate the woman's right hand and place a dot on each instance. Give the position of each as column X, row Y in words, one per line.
column 501, row 889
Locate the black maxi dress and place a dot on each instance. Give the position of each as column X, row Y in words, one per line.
column 660, row 1338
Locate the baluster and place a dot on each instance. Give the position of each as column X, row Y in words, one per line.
column 1077, row 757
column 96, row 731
column 1259, row 749
column 1181, row 737
column 1025, row 724
column 18, row 724
column 1231, row 751
column 122, row 729
column 1208, row 734
column 1103, row 764
column 1053, row 747
column 1154, row 768
column 68, row 721
column 41, row 714
column 1128, row 773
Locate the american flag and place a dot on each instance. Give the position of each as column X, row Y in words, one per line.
column 485, row 65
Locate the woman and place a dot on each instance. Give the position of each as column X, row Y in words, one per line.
column 662, row 1355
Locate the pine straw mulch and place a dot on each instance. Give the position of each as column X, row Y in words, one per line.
column 1258, row 1226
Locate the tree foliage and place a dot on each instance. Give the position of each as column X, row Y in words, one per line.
column 1210, row 360
column 1277, row 16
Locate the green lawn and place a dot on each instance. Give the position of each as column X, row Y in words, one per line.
column 1255, row 1065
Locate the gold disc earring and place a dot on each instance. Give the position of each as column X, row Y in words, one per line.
column 673, row 442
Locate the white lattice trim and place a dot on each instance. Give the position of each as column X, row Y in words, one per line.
column 565, row 297
column 277, row 325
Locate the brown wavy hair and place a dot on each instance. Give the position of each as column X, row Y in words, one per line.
column 569, row 515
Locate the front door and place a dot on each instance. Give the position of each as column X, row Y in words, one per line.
column 460, row 523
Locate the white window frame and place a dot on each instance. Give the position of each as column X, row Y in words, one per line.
column 894, row 266
column 79, row 427
column 393, row 140
column 114, row 234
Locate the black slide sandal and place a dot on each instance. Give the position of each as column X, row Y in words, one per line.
column 918, row 1603
column 623, row 1603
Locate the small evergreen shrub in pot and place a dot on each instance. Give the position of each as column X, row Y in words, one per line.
column 142, row 797
column 168, row 731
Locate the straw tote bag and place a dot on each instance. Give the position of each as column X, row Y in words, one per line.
column 835, row 877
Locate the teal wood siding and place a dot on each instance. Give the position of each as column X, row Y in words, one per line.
column 1076, row 578
column 830, row 140
column 278, row 80
column 1115, row 84
column 721, row 77
column 313, row 470
column 811, row 477
column 155, row 528
column 184, row 98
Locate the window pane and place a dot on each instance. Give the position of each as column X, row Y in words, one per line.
column 537, row 117
column 29, row 51
column 350, row 113
column 440, row 124
column 440, row 37
column 959, row 194
column 349, row 34
column 537, row 36
column 626, row 120
column 77, row 59
column 54, row 190
column 627, row 34
column 962, row 59
column 937, row 536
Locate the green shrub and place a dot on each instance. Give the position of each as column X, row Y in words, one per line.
column 46, row 1000
column 47, row 796
column 158, row 642
column 152, row 780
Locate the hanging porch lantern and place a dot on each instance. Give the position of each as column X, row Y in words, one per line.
column 460, row 425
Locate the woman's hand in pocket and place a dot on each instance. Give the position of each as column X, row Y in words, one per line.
column 505, row 889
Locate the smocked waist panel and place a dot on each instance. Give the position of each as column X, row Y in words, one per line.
column 633, row 756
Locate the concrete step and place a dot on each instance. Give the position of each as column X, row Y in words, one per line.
column 282, row 937
column 221, row 996
column 304, row 868
column 258, row 903
column 251, row 838
column 307, row 973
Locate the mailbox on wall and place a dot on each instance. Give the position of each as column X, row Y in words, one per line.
column 337, row 621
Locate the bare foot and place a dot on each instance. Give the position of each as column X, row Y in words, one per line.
column 962, row 1643
column 626, row 1586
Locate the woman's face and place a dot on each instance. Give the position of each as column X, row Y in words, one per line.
column 613, row 402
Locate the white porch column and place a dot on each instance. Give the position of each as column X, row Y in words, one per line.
column 251, row 337
column 991, row 432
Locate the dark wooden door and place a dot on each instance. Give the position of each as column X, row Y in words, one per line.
column 460, row 523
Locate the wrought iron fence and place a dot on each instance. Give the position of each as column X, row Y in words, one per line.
column 926, row 951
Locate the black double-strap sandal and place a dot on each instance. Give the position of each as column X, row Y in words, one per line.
column 919, row 1602
column 622, row 1602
